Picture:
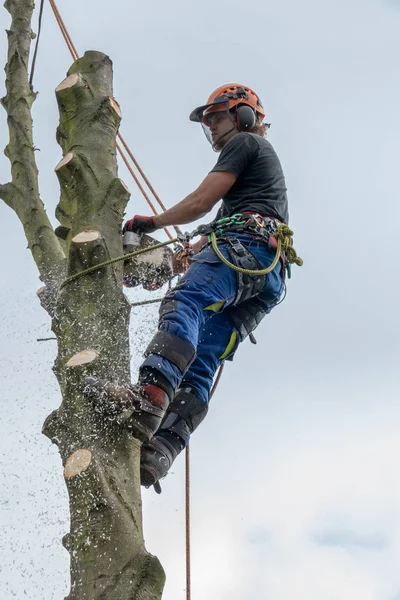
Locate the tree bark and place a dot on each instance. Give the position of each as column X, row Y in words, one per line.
column 22, row 193
column 90, row 315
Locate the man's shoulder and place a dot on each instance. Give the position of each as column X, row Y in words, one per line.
column 242, row 140
column 249, row 139
column 259, row 140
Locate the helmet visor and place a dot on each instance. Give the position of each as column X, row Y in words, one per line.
column 221, row 104
column 211, row 121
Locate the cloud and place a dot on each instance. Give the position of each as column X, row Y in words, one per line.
column 319, row 521
column 352, row 539
column 258, row 536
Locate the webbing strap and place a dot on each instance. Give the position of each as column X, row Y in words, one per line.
column 247, row 285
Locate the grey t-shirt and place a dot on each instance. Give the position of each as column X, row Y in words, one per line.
column 260, row 184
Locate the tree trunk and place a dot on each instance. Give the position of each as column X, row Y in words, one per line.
column 90, row 315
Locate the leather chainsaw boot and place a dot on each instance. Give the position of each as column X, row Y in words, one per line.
column 184, row 415
column 140, row 408
column 157, row 456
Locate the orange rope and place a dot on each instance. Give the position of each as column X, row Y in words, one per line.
column 64, row 31
column 187, row 496
column 187, row 513
column 153, row 208
column 75, row 56
column 141, row 172
column 216, row 382
column 135, row 162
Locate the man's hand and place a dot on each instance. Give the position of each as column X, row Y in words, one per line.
column 140, row 224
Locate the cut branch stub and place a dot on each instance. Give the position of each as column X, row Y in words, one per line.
column 71, row 93
column 88, row 249
column 78, row 462
column 64, row 161
column 70, row 178
column 75, row 180
column 89, row 235
column 115, row 112
column 115, row 106
column 124, row 186
column 84, row 357
column 97, row 68
column 69, row 82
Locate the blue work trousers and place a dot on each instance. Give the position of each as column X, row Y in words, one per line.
column 199, row 314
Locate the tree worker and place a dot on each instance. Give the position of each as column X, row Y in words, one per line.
column 213, row 308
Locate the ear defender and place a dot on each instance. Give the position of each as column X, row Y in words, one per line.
column 245, row 117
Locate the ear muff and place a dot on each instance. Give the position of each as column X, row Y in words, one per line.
column 245, row 117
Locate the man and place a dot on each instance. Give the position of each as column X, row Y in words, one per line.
column 213, row 308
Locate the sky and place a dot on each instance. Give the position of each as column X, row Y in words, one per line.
column 295, row 484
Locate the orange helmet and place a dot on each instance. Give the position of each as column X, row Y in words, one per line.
column 227, row 97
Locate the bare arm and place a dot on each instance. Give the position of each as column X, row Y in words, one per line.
column 200, row 202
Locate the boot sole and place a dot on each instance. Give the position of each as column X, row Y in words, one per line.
column 148, row 476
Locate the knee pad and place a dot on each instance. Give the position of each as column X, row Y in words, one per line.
column 175, row 349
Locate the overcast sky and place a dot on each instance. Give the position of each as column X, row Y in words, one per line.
column 296, row 487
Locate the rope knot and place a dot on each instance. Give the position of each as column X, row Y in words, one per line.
column 284, row 235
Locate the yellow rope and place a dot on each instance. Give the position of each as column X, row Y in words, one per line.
column 283, row 236
column 115, row 260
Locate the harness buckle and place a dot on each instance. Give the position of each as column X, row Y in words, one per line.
column 236, row 246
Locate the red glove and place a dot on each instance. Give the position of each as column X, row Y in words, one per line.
column 140, row 224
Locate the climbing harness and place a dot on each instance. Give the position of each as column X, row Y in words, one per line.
column 282, row 234
column 277, row 234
